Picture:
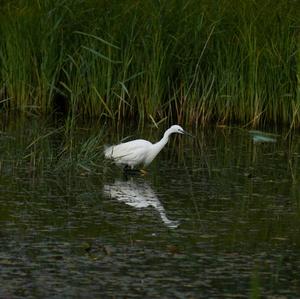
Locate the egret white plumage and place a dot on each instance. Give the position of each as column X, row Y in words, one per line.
column 139, row 152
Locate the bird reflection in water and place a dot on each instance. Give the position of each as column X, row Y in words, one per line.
column 138, row 195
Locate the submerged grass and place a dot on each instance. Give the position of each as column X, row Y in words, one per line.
column 193, row 62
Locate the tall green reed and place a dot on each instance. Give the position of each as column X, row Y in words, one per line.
column 31, row 54
column 192, row 62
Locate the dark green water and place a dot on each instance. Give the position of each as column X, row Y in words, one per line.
column 217, row 216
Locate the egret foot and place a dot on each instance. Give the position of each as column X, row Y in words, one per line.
column 143, row 172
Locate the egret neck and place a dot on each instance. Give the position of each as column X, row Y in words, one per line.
column 157, row 147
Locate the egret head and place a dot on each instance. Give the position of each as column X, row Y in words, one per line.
column 177, row 129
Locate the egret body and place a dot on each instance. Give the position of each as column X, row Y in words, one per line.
column 139, row 152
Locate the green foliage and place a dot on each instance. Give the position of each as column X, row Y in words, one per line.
column 194, row 62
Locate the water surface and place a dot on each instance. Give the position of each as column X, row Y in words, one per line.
column 217, row 216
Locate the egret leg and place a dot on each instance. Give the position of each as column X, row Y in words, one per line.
column 131, row 171
column 126, row 168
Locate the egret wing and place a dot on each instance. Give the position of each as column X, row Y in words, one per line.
column 131, row 152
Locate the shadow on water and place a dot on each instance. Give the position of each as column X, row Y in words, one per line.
column 138, row 194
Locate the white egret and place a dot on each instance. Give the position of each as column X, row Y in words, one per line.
column 139, row 152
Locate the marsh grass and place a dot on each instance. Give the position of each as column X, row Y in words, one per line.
column 192, row 62
column 34, row 149
column 83, row 155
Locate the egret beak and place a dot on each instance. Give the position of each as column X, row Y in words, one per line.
column 186, row 133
